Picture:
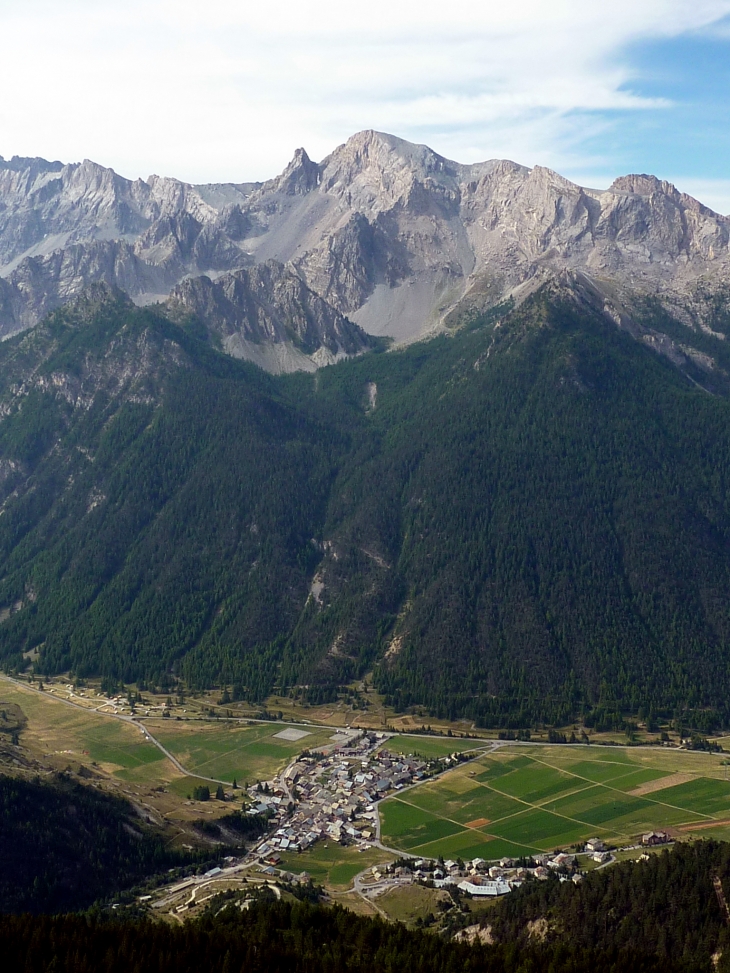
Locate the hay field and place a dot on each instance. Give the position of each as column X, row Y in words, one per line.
column 228, row 750
column 523, row 799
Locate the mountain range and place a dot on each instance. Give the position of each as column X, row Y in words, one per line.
column 524, row 518
column 382, row 238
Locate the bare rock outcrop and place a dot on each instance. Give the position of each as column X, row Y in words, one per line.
column 268, row 314
column 394, row 236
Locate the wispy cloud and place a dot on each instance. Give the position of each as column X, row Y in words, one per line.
column 226, row 90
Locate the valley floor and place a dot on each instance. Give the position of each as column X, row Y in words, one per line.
column 343, row 801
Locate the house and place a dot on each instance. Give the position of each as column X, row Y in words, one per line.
column 485, row 888
column 595, row 844
column 561, row 861
column 655, row 838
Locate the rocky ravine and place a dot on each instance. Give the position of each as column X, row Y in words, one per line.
column 389, row 234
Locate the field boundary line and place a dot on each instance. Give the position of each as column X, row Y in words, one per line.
column 464, row 829
column 577, row 790
column 608, row 787
column 227, row 753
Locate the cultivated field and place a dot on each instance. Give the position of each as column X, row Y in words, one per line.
column 65, row 734
column 246, row 752
column 427, row 746
column 526, row 799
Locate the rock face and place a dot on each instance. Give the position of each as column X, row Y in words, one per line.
column 391, row 234
column 62, row 227
column 268, row 315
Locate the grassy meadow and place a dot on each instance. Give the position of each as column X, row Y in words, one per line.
column 224, row 751
column 66, row 734
column 331, row 864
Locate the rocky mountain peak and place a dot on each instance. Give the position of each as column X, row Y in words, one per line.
column 20, row 163
column 642, row 184
column 391, row 235
column 373, row 172
column 646, row 185
column 300, row 177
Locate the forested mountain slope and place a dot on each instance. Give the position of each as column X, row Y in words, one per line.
column 526, row 520
column 286, row 937
column 65, row 846
column 666, row 907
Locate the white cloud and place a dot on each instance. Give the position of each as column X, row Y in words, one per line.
column 227, row 89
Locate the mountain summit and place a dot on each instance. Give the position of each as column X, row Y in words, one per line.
column 391, row 235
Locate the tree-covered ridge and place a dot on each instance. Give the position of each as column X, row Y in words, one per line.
column 526, row 520
column 666, row 907
column 174, row 515
column 284, row 938
column 553, row 501
column 63, row 846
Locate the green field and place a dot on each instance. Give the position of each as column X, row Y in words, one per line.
column 224, row 751
column 331, row 864
column 519, row 800
column 218, row 749
column 112, row 744
column 428, row 746
column 65, row 732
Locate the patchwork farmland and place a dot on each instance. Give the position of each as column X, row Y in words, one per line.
column 522, row 800
column 240, row 751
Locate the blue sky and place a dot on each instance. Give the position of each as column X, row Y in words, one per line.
column 688, row 139
column 228, row 89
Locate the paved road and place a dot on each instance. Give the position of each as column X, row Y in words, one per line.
column 124, row 719
column 477, row 751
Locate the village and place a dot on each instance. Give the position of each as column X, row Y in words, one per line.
column 332, row 793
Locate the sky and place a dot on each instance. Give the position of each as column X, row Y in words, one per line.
column 226, row 90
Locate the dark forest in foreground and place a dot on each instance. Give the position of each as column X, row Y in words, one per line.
column 660, row 915
column 65, row 846
column 286, row 938
column 528, row 520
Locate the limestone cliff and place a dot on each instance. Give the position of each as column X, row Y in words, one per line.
column 268, row 315
column 397, row 238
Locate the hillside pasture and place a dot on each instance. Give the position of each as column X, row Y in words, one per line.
column 64, row 734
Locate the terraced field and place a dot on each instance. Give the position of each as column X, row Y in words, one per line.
column 522, row 799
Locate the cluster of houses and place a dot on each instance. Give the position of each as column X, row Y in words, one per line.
column 479, row 877
column 330, row 793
